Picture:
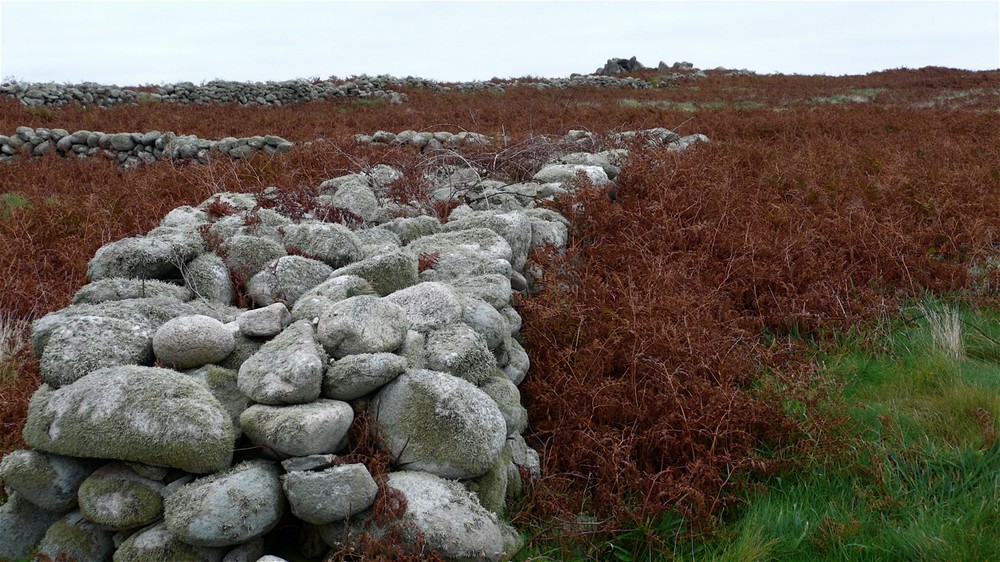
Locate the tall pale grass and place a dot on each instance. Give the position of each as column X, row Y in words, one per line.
column 945, row 325
column 13, row 338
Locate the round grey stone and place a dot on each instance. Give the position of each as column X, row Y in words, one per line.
column 192, row 341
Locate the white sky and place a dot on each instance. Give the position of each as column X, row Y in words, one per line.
column 146, row 42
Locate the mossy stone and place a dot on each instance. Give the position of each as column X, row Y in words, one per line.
column 116, row 498
column 142, row 414
column 156, row 542
column 74, row 536
column 387, row 272
column 491, row 488
column 440, row 424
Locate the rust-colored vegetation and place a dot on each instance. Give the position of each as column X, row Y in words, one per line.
column 665, row 371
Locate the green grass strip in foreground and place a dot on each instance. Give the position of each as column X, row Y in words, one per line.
column 919, row 479
column 917, row 475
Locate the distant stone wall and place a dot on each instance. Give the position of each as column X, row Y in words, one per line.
column 216, row 91
column 280, row 93
column 132, row 149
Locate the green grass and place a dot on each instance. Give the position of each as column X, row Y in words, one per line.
column 9, row 202
column 914, row 476
column 688, row 106
column 855, row 95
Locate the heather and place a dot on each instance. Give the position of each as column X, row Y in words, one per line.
column 677, row 347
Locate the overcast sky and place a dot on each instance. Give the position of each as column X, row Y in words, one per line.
column 149, row 42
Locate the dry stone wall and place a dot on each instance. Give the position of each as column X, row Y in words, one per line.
column 383, row 88
column 132, row 149
column 178, row 420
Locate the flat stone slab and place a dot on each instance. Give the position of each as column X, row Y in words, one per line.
column 300, row 430
column 330, row 495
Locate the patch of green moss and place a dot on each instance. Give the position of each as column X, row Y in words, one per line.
column 491, row 488
column 139, row 503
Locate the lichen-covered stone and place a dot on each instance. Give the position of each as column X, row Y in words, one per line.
column 224, row 386
column 355, row 197
column 152, row 312
column 227, row 508
column 192, row 341
column 47, row 481
column 142, row 414
column 439, row 423
column 300, row 430
column 264, row 322
column 240, row 201
column 315, row 301
column 118, row 288
column 158, row 543
column 145, row 257
column 116, row 498
column 375, row 241
column 208, row 277
column 564, row 173
column 491, row 488
column 514, row 227
column 248, row 255
column 286, row 279
column 492, row 288
column 442, row 513
column 22, row 525
column 184, row 215
column 457, row 349
column 477, row 239
column 363, row 324
column 409, row 229
column 428, row 306
column 357, row 375
column 457, row 262
column 243, row 348
column 387, row 273
column 486, row 320
column 332, row 243
column 330, row 495
column 518, row 363
column 84, row 344
column 508, row 399
column 286, row 370
column 78, row 538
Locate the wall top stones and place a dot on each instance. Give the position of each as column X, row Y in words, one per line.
column 282, row 93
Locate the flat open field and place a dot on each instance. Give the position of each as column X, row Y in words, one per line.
column 743, row 354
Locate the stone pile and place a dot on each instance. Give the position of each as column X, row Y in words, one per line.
column 174, row 424
column 443, row 139
column 132, row 149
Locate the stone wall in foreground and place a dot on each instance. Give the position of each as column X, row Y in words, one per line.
column 202, row 391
